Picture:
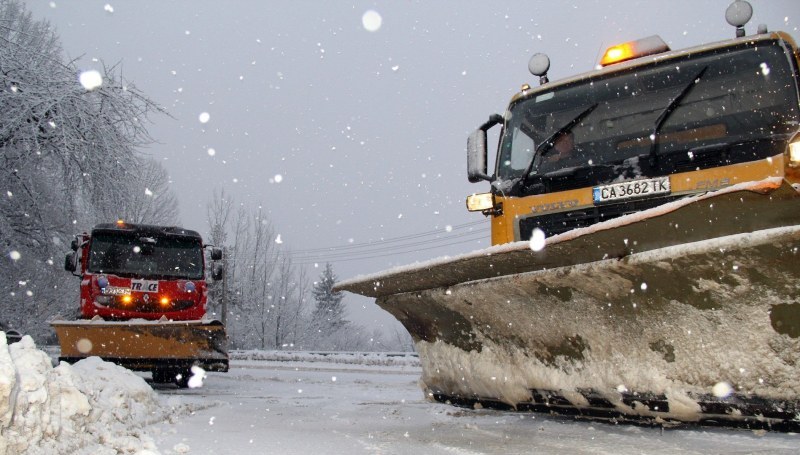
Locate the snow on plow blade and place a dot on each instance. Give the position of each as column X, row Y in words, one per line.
column 686, row 312
column 146, row 345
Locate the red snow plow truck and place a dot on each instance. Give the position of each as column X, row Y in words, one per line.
column 143, row 297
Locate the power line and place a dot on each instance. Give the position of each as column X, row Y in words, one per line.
column 391, row 240
column 308, row 260
column 386, row 246
column 392, row 246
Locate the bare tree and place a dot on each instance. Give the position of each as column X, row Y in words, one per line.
column 149, row 198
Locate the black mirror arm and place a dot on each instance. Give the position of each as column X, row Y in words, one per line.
column 494, row 119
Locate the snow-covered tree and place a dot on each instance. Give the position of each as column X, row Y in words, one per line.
column 150, row 199
column 328, row 317
column 68, row 143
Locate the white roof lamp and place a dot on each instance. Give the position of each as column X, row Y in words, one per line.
column 738, row 14
column 538, row 65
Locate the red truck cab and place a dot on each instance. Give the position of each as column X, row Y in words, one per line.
column 135, row 271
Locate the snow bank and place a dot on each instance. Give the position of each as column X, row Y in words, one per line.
column 91, row 407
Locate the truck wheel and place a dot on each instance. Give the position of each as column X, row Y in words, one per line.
column 181, row 378
column 163, row 376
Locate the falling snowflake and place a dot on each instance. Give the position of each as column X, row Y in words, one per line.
column 538, row 240
column 196, row 381
column 91, row 79
column 211, row 152
column 84, row 346
column 14, row 255
column 204, row 117
column 278, row 239
column 108, row 8
column 371, row 20
column 722, row 389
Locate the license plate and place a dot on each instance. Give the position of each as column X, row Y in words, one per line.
column 114, row 290
column 630, row 190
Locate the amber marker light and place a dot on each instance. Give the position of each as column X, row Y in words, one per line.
column 127, row 299
column 633, row 49
column 164, row 301
column 616, row 54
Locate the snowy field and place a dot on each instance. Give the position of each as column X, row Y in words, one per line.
column 298, row 403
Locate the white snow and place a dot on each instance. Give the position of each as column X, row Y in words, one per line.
column 298, row 403
column 92, row 407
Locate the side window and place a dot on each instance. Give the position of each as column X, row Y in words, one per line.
column 522, row 150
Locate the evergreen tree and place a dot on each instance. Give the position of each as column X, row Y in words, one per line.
column 329, row 313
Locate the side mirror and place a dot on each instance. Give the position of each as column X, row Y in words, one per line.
column 69, row 262
column 74, row 245
column 216, row 254
column 477, row 151
column 217, row 271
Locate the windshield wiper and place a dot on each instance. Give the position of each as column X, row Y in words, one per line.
column 547, row 144
column 668, row 110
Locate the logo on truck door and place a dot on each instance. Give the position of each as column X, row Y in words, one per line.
column 144, row 286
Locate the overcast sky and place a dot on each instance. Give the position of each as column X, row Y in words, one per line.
column 350, row 131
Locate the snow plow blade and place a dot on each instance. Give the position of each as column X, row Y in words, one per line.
column 146, row 345
column 687, row 312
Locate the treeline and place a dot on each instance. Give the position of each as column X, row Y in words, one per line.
column 270, row 303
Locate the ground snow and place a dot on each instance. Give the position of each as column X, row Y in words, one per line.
column 91, row 407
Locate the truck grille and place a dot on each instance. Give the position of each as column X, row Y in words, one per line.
column 557, row 223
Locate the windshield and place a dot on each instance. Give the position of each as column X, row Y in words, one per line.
column 725, row 97
column 146, row 256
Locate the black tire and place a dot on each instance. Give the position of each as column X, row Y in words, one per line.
column 163, row 376
column 182, row 378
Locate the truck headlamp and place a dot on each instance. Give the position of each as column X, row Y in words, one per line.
column 480, row 202
column 794, row 153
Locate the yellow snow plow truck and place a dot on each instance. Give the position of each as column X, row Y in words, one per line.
column 645, row 265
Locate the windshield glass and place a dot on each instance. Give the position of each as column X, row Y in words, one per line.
column 146, row 256
column 743, row 95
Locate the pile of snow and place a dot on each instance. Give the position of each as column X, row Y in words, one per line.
column 91, row 407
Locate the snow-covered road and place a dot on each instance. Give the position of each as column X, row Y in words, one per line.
column 319, row 407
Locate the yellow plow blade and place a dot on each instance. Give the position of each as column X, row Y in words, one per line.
column 146, row 345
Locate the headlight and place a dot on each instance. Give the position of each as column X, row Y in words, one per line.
column 794, row 153
column 480, row 202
